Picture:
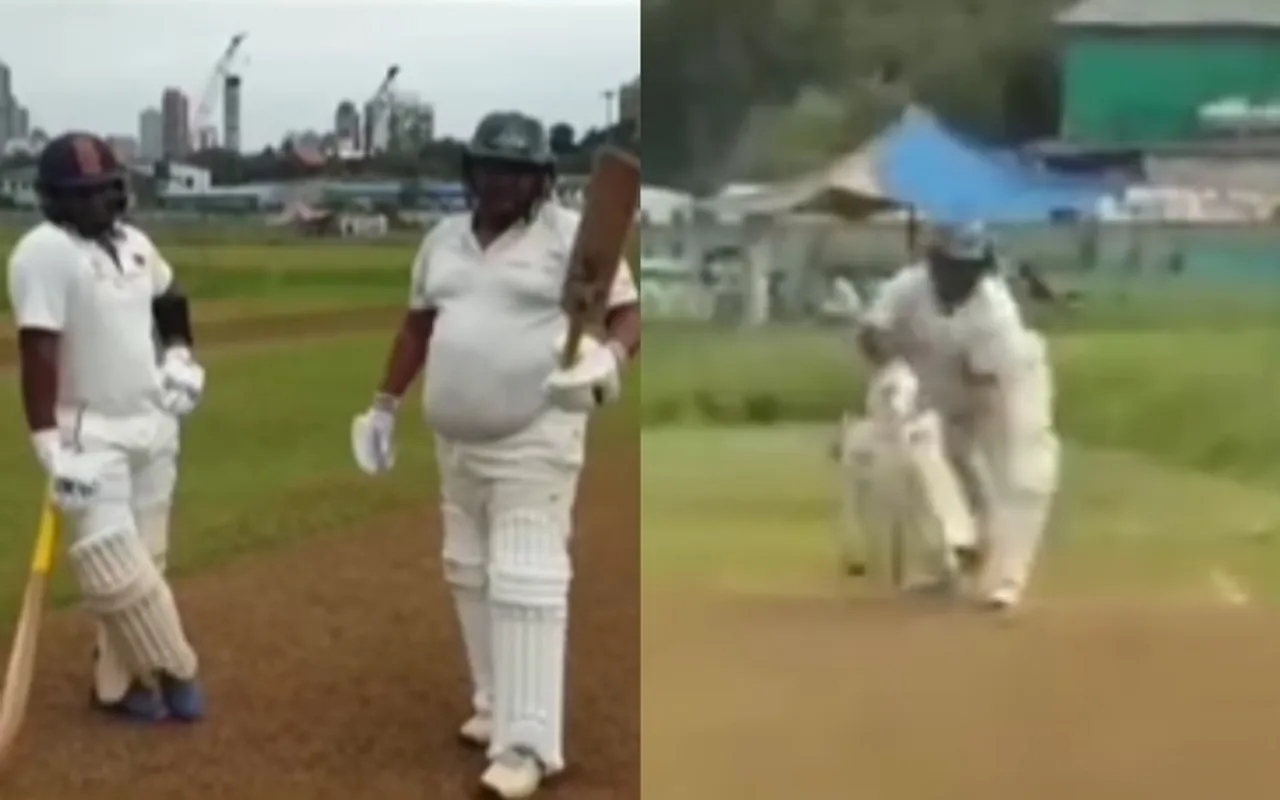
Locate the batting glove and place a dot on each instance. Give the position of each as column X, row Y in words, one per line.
column 181, row 381
column 593, row 380
column 75, row 477
column 373, row 435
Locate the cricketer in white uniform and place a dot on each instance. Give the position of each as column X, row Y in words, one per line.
column 90, row 295
column 955, row 322
column 485, row 319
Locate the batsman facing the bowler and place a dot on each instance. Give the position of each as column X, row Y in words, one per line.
column 485, row 318
column 90, row 295
column 955, row 322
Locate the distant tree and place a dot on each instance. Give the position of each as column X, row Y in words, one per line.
column 564, row 139
column 718, row 72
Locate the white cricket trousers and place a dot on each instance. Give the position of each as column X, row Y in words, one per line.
column 507, row 516
column 1011, row 482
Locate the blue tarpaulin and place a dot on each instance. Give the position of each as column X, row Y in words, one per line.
column 921, row 163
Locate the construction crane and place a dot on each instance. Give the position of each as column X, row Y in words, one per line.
column 378, row 106
column 202, row 127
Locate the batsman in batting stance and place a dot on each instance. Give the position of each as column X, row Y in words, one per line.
column 90, row 296
column 954, row 322
column 485, row 319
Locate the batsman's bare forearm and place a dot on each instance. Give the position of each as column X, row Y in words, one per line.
column 38, row 356
column 623, row 324
column 408, row 352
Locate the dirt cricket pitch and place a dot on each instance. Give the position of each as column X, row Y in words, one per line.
column 334, row 671
column 832, row 696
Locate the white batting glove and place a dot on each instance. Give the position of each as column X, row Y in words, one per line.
column 373, row 437
column 893, row 393
column 595, row 379
column 75, row 477
column 181, row 382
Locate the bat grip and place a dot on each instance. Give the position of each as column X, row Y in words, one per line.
column 572, row 341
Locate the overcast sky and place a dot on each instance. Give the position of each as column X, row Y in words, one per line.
column 96, row 64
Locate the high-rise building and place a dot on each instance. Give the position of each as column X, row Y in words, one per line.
column 399, row 123
column 346, row 124
column 376, row 135
column 15, row 119
column 207, row 137
column 151, row 135
column 629, row 103
column 7, row 103
column 412, row 123
column 175, row 111
column 231, row 112
column 19, row 121
column 125, row 147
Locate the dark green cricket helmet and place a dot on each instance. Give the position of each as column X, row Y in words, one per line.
column 512, row 137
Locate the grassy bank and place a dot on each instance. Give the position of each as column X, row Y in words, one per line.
column 1193, row 395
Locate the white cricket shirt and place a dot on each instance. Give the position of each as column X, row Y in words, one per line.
column 498, row 318
column 939, row 346
column 61, row 282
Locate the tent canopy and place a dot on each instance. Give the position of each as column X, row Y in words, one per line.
column 848, row 187
column 949, row 179
column 918, row 162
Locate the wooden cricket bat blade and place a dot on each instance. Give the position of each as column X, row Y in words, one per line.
column 611, row 199
column 21, row 668
column 20, row 671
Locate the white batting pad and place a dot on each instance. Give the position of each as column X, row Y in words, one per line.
column 529, row 577
column 124, row 589
column 941, row 494
column 465, row 560
column 111, row 672
column 865, row 517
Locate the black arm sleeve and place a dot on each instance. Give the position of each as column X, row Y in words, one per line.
column 172, row 314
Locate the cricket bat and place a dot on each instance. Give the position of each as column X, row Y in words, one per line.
column 612, row 197
column 22, row 653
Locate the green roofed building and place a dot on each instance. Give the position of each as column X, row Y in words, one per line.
column 1150, row 72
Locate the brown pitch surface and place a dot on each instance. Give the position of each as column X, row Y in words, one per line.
column 753, row 697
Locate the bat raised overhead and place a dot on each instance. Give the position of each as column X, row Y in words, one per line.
column 612, row 198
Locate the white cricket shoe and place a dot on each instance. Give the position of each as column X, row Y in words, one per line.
column 1002, row 600
column 513, row 775
column 477, row 730
column 943, row 586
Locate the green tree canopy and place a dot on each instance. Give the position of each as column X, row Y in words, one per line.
column 759, row 88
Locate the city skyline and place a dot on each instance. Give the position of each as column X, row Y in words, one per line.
column 553, row 59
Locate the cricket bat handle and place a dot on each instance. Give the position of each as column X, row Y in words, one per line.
column 46, row 539
column 572, row 341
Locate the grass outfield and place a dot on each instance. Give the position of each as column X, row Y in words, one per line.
column 751, row 509
column 332, row 270
column 289, row 268
column 1198, row 399
column 266, row 459
column 1168, row 411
